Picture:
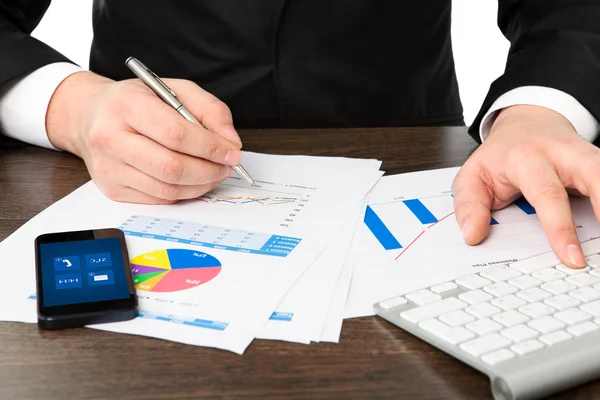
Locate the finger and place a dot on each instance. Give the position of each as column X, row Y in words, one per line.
column 128, row 195
column 210, row 111
column 165, row 165
column 472, row 204
column 156, row 189
column 542, row 187
column 156, row 120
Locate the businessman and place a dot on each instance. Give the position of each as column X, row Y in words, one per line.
column 312, row 64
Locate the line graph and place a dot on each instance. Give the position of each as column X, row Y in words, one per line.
column 214, row 197
column 236, row 195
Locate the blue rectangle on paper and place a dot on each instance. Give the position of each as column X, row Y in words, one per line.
column 380, row 231
column 99, row 278
column 420, row 211
column 66, row 263
column 493, row 222
column 68, row 281
column 282, row 316
column 524, row 205
column 101, row 260
column 198, row 323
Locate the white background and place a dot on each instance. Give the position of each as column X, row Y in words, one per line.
column 479, row 47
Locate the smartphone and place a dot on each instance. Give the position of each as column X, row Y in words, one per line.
column 83, row 278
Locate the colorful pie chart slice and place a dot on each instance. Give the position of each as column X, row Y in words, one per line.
column 173, row 270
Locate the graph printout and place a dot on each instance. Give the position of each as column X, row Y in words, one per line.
column 209, row 271
column 410, row 238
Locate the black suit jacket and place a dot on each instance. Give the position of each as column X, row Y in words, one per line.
column 323, row 63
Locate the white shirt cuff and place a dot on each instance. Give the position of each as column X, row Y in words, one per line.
column 24, row 105
column 563, row 103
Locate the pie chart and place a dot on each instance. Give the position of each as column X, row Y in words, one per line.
column 172, row 270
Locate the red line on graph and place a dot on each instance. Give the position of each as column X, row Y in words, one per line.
column 421, row 234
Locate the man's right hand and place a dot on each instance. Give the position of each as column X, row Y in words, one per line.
column 137, row 148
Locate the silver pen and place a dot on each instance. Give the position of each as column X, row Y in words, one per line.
column 168, row 96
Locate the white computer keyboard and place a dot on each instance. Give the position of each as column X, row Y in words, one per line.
column 532, row 326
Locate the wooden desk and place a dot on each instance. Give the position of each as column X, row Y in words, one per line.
column 374, row 359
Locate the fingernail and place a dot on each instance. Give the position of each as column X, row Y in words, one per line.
column 467, row 227
column 575, row 255
column 225, row 174
column 233, row 157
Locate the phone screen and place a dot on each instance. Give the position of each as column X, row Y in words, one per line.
column 83, row 271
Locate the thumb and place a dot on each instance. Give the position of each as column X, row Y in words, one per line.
column 472, row 204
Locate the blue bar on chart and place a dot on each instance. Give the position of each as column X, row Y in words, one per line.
column 420, row 211
column 282, row 316
column 525, row 206
column 380, row 231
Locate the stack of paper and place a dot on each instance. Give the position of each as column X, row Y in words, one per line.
column 318, row 239
column 278, row 249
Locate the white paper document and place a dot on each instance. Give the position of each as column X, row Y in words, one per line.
column 410, row 238
column 209, row 271
column 301, row 316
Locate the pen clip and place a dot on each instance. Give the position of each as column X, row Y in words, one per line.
column 162, row 83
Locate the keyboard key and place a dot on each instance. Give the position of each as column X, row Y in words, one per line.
column 586, row 294
column 456, row 318
column 510, row 318
column 500, row 274
column 524, row 282
column 485, row 344
column 590, row 247
column 555, row 337
column 519, row 333
column 548, row 275
column 444, row 287
column 500, row 289
column 558, row 287
column 546, row 324
column 595, row 272
column 529, row 265
column 592, row 308
column 593, row 260
column 583, row 280
column 482, row 310
column 571, row 271
column 472, row 282
column 483, row 326
column 391, row 303
column 562, row 302
column 476, row 296
column 572, row 316
column 527, row 347
column 534, row 294
column 508, row 302
column 433, row 310
column 451, row 335
column 582, row 329
column 423, row 297
column 536, row 310
column 498, row 356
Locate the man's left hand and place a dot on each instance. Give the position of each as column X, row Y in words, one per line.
column 536, row 152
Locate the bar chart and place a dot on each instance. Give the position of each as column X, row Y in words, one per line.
column 396, row 224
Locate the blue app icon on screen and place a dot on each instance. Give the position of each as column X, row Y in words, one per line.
column 99, row 278
column 66, row 263
column 68, row 281
column 101, row 260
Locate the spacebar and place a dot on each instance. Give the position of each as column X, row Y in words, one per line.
column 432, row 310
